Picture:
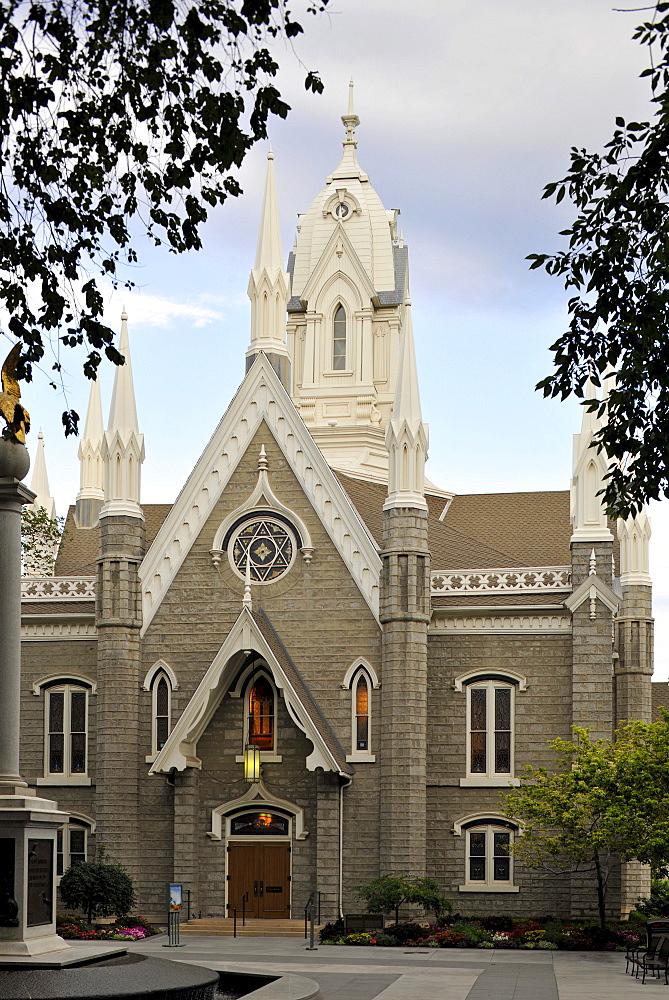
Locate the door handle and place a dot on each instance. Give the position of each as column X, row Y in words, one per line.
column 262, row 886
column 255, row 888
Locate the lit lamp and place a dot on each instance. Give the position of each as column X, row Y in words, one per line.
column 251, row 763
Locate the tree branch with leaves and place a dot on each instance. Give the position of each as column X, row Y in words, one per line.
column 616, row 269
column 117, row 118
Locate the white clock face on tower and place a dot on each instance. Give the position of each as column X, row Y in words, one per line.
column 342, row 210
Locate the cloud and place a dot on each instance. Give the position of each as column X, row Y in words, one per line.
column 149, row 309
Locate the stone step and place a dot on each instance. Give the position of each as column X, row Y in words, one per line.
column 223, row 927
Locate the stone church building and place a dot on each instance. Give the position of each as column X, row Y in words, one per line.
column 315, row 666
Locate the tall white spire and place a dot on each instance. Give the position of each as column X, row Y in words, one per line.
column 349, row 166
column 588, row 515
column 407, row 435
column 269, row 286
column 122, row 444
column 91, row 490
column 39, row 483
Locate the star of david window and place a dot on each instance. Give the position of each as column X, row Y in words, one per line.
column 266, row 545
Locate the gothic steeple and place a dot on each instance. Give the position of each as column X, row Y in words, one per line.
column 122, row 444
column 91, row 490
column 269, row 286
column 406, row 435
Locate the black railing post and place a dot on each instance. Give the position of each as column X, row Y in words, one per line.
column 234, row 921
column 188, row 903
column 244, row 909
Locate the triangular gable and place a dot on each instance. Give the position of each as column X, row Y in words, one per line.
column 339, row 244
column 591, row 589
column 249, row 632
column 261, row 396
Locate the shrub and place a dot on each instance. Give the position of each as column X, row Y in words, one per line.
column 657, row 904
column 99, row 887
column 385, row 940
column 472, row 932
column 446, row 938
column 332, row 931
column 408, row 933
column 390, row 892
column 359, row 938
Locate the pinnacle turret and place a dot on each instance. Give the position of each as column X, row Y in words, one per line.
column 588, row 514
column 39, row 483
column 122, row 444
column 269, row 286
column 91, row 489
column 407, row 436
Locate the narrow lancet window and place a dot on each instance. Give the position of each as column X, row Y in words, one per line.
column 261, row 715
column 162, row 713
column 339, row 340
column 362, row 714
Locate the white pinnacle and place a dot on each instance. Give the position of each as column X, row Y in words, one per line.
column 39, row 483
column 269, row 254
column 407, row 397
column 123, row 410
column 94, row 426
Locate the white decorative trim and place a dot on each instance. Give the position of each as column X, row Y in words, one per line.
column 180, row 751
column 353, row 669
column 260, row 398
column 499, row 673
column 62, row 781
column 64, row 677
column 516, row 580
column 58, row 588
column 45, row 631
column 592, row 589
column 484, row 817
column 82, row 818
column 263, row 499
column 361, row 758
column 256, row 794
column 444, row 620
column 487, row 888
column 489, row 781
column 156, row 668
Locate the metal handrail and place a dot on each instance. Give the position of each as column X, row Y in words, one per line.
column 317, row 894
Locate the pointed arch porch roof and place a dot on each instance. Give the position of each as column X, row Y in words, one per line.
column 252, row 630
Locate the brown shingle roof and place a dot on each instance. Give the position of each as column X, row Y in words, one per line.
column 660, row 696
column 484, row 530
column 304, row 694
column 79, row 547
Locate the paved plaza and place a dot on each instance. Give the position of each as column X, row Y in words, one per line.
column 346, row 973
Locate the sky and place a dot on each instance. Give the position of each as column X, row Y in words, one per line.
column 468, row 108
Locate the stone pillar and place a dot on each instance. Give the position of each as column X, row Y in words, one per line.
column 327, row 846
column 405, row 615
column 634, row 667
column 28, row 824
column 592, row 644
column 187, row 829
column 118, row 621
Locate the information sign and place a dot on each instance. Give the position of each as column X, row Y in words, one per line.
column 40, row 882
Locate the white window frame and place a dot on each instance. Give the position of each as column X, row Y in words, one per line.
column 251, row 675
column 361, row 756
column 160, row 675
column 489, row 827
column 66, row 829
column 491, row 778
column 66, row 777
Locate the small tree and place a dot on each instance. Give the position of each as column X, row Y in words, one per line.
column 99, row 887
column 389, row 892
column 609, row 804
column 40, row 536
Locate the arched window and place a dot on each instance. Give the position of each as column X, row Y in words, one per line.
column 489, row 861
column 490, row 732
column 66, row 731
column 362, row 713
column 70, row 846
column 339, row 340
column 260, row 725
column 161, row 711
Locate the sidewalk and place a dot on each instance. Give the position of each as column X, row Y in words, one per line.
column 346, row 973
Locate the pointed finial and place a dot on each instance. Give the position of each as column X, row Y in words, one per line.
column 270, row 154
column 40, row 436
column 350, row 119
column 351, row 112
column 124, row 315
column 263, row 464
column 593, row 563
column 247, row 600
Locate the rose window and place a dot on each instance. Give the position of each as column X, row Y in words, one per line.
column 266, row 545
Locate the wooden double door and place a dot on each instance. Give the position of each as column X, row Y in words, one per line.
column 261, row 873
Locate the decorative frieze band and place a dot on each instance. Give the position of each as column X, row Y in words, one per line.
column 58, row 588
column 526, row 580
column 444, row 621
column 44, row 631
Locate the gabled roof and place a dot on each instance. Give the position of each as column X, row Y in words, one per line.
column 252, row 630
column 260, row 398
column 80, row 547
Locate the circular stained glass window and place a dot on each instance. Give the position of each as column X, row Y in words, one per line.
column 266, row 545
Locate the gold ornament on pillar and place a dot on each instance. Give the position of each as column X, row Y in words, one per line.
column 16, row 415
